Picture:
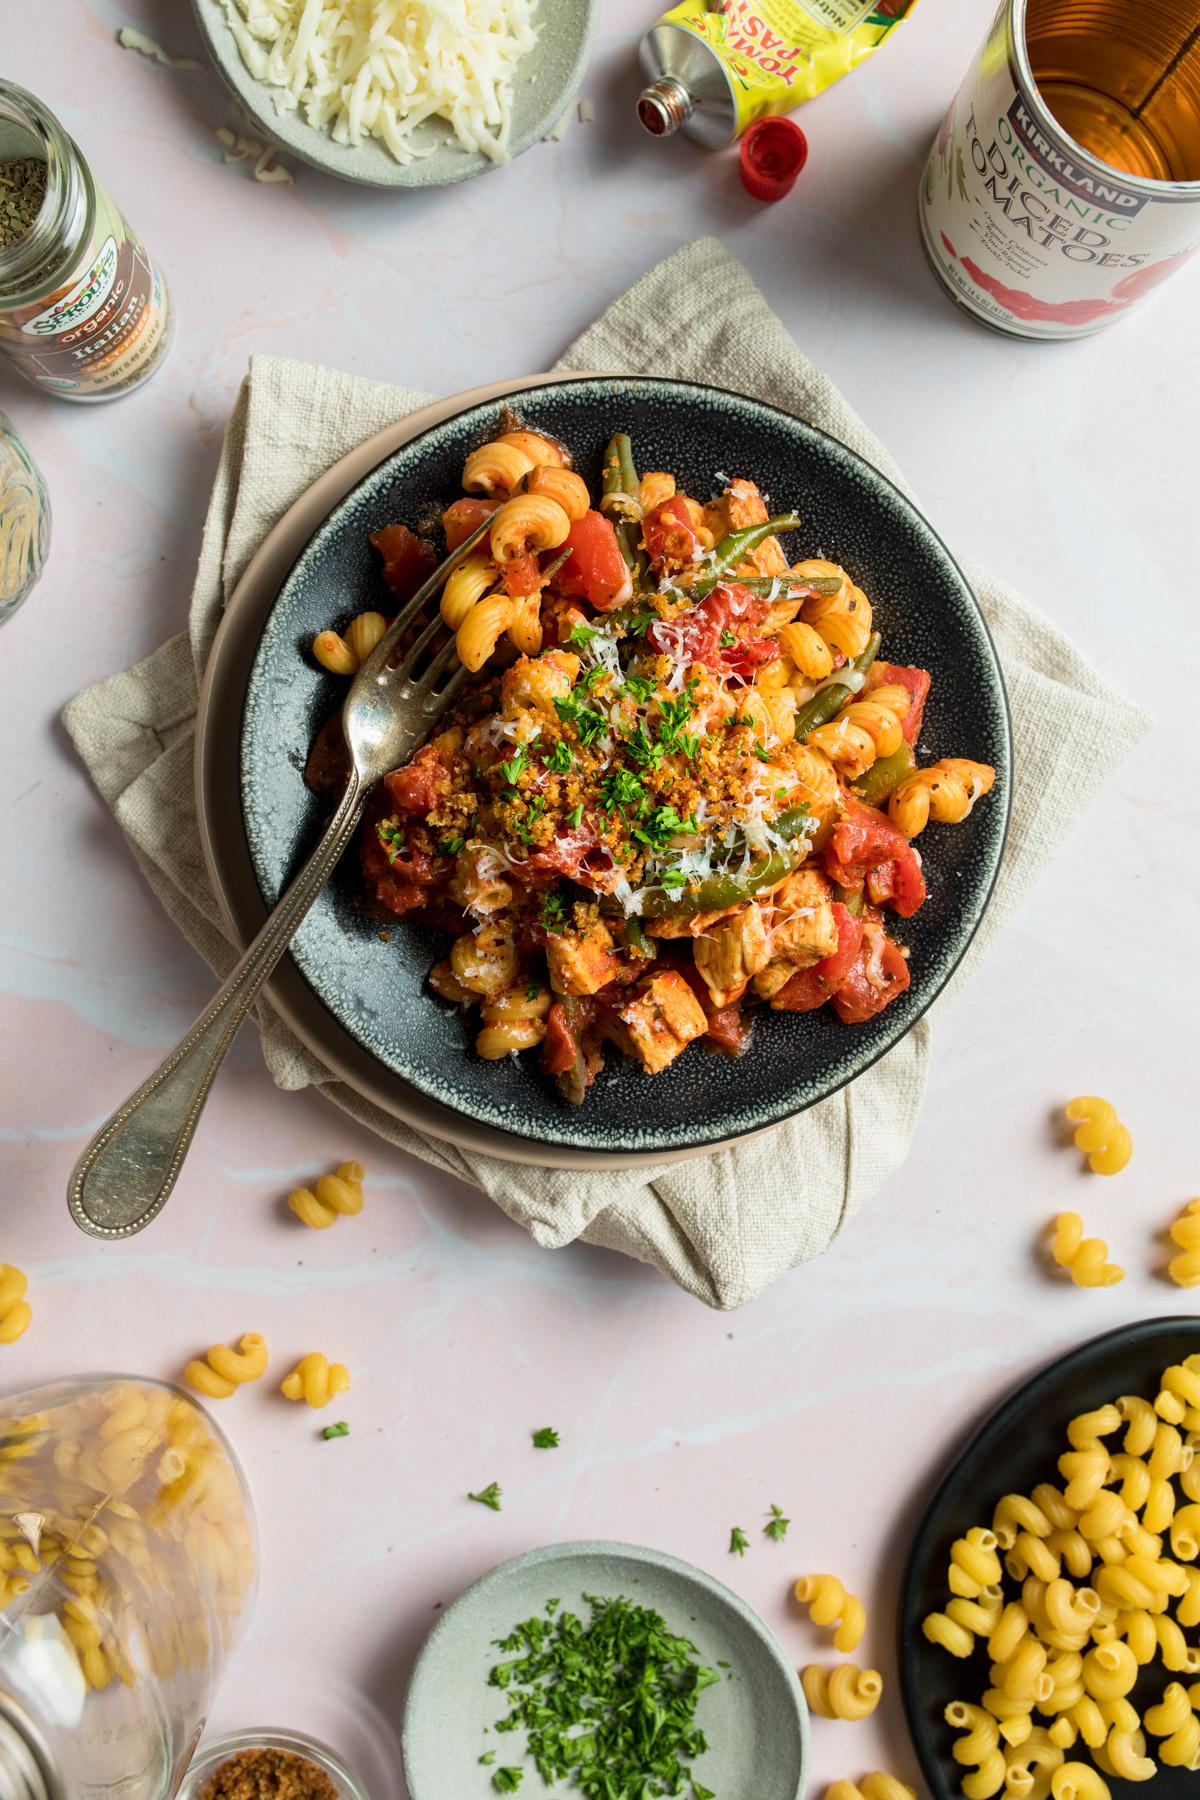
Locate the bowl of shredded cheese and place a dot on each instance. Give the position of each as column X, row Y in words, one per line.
column 402, row 93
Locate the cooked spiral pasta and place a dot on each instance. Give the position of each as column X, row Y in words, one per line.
column 844, row 1692
column 525, row 525
column 315, row 1380
column 569, row 490
column 860, row 734
column 946, row 791
column 1100, row 1134
column 467, row 585
column 828, row 1603
column 15, row 1312
column 525, row 630
column 816, row 780
column 485, row 961
column 876, row 1786
column 1184, row 1268
column 513, row 1021
column 807, row 649
column 345, row 654
column 333, row 1196
column 849, row 632
column 1086, row 1259
column 496, row 468
column 482, row 629
column 654, row 488
column 222, row 1370
column 543, row 452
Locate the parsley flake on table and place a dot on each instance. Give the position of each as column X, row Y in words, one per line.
column 546, row 1439
column 341, row 1429
column 776, row 1526
column 507, row 1781
column 489, row 1497
column 739, row 1543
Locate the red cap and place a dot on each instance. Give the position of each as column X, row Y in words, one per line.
column 773, row 153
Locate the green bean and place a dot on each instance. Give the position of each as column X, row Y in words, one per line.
column 619, row 499
column 779, row 587
column 732, row 887
column 736, row 548
column 884, row 776
column 823, row 706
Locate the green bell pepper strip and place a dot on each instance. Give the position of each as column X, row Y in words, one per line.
column 730, row 889
column 736, row 548
column 572, row 1083
column 850, row 898
column 875, row 786
column 635, row 939
column 830, row 701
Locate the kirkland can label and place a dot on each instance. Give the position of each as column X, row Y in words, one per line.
column 1027, row 230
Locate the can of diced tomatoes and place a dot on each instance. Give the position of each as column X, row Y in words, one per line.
column 1064, row 184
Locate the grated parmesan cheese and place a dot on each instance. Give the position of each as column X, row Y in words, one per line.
column 381, row 69
column 129, row 39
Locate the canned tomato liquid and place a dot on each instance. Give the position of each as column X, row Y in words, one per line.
column 1064, row 184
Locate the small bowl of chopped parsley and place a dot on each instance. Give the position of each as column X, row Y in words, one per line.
column 603, row 1670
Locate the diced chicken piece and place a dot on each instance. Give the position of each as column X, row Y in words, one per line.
column 766, row 559
column 661, row 1023
column 732, row 952
column 803, row 930
column 581, row 963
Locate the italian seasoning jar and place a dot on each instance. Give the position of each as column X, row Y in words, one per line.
column 84, row 311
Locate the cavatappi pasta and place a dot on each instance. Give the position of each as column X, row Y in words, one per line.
column 665, row 799
column 829, row 1604
column 1099, row 1134
column 1085, row 1259
column 843, row 1692
column 15, row 1312
column 1184, row 1266
column 1086, row 1602
column 221, row 1371
column 315, row 1380
column 335, row 1196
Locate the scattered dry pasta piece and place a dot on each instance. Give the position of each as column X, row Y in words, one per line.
column 1184, row 1269
column 844, row 1692
column 876, row 1786
column 1100, row 1135
column 15, row 1312
column 315, row 1380
column 1085, row 1258
column 333, row 1196
column 222, row 1370
column 828, row 1603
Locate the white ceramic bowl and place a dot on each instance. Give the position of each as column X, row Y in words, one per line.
column 545, row 85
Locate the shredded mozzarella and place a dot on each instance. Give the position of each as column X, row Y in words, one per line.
column 383, row 68
column 129, row 39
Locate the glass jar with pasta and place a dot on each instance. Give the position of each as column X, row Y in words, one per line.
column 127, row 1564
column 24, row 521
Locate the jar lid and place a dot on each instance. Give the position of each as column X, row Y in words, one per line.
column 773, row 153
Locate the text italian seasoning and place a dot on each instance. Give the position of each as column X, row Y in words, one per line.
column 1064, row 184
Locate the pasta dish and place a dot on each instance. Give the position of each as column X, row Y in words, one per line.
column 683, row 785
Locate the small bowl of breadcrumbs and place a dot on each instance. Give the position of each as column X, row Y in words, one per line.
column 270, row 1765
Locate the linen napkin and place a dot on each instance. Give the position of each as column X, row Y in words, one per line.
column 724, row 1227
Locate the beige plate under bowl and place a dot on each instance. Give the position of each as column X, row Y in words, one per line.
column 223, row 837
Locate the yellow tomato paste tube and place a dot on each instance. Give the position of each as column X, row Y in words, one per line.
column 714, row 66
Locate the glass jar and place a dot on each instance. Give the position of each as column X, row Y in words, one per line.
column 127, row 1563
column 24, row 521
column 84, row 311
column 341, row 1777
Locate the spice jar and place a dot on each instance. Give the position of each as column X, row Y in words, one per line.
column 24, row 521
column 84, row 311
column 127, row 1563
column 251, row 1763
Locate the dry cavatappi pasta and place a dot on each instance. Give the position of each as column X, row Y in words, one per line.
column 1076, row 1593
column 876, row 1786
column 1100, row 1134
column 315, row 1380
column 828, row 1603
column 843, row 1692
column 1085, row 1259
column 1184, row 1266
column 221, row 1371
column 335, row 1196
column 664, row 800
column 15, row 1312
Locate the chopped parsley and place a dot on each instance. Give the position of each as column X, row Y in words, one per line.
column 777, row 1526
column 560, row 758
column 672, row 879
column 488, row 1757
column 728, row 640
column 594, row 677
column 451, row 846
column 533, row 812
column 675, row 715
column 554, row 912
column 341, row 1429
column 533, row 991
column 511, row 769
column 739, row 1543
column 507, row 1781
column 762, row 753
column 589, row 725
column 621, row 788
column 489, row 1497
column 575, row 816
column 610, row 1705
column 391, row 837
column 646, row 754
column 546, row 1439
column 664, row 824
column 582, row 635
column 639, row 623
column 642, row 687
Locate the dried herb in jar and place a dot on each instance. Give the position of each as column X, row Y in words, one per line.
column 22, row 190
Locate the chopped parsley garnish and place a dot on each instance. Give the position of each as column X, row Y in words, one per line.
column 675, row 715
column 575, row 816
column 507, row 1781
column 639, row 623
column 610, row 1705
column 646, row 754
column 554, row 912
column 489, row 1497
column 594, row 677
column 488, row 1757
column 642, row 687
column 777, row 1526
column 341, row 1429
column 546, row 1439
column 664, row 824
column 672, row 879
column 739, row 1543
column 588, row 724
column 391, row 837
column 511, row 769
column 621, row 788
column 728, row 640
column 533, row 991
column 762, row 753
column 560, row 758
column 451, row 846
column 582, row 635
column 533, row 812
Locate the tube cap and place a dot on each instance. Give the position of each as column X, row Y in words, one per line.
column 773, row 153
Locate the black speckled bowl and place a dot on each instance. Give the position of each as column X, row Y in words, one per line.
column 928, row 616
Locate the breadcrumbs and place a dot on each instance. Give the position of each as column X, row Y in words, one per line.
column 269, row 1775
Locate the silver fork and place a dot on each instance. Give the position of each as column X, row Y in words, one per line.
column 125, row 1176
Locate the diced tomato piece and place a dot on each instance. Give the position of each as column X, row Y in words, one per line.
column 732, row 606
column 861, row 840
column 899, row 884
column 462, row 517
column 742, row 659
column 595, row 571
column 407, row 559
column 401, row 875
column 690, row 637
column 810, row 988
column 522, row 575
column 668, row 533
column 419, row 785
column 560, row 1049
column 577, row 855
column 918, row 683
column 871, row 983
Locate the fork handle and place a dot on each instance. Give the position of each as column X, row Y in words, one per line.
column 125, row 1176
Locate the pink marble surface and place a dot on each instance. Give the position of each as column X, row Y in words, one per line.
column 841, row 1393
